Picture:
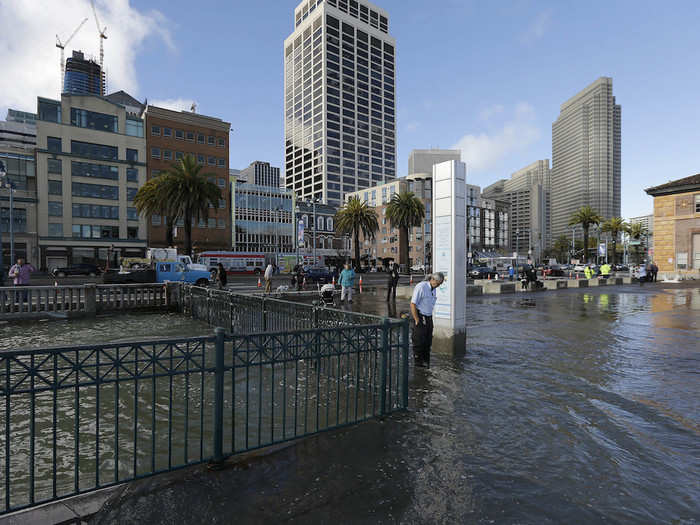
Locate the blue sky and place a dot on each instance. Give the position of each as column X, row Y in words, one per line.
column 485, row 74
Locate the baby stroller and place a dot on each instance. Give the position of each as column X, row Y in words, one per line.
column 327, row 294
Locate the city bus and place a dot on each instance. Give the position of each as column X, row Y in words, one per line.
column 234, row 262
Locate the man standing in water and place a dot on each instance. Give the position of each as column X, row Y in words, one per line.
column 422, row 305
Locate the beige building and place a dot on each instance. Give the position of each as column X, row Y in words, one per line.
column 90, row 162
column 677, row 226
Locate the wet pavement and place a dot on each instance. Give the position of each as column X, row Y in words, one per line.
column 581, row 406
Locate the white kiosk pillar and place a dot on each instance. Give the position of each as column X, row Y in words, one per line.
column 450, row 246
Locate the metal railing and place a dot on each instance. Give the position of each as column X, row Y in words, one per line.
column 79, row 418
column 27, row 302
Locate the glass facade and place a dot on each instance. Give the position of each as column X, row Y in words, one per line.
column 49, row 110
column 263, row 219
column 95, row 211
column 87, row 231
column 95, row 151
column 100, row 171
column 134, row 127
column 18, row 168
column 83, row 118
column 95, row 191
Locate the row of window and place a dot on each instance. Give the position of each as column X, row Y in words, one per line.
column 88, row 231
column 189, row 136
column 90, row 150
column 166, row 154
column 92, row 211
column 95, row 191
column 212, row 223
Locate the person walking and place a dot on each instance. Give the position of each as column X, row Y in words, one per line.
column 422, row 305
column 654, row 271
column 642, row 274
column 268, row 277
column 21, row 273
column 588, row 272
column 605, row 270
column 392, row 282
column 511, row 273
column 347, row 281
column 221, row 277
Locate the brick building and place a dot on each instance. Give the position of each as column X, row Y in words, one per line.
column 677, row 226
column 169, row 136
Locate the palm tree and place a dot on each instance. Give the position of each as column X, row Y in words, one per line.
column 149, row 201
column 185, row 192
column 615, row 226
column 586, row 217
column 356, row 217
column 405, row 211
column 636, row 231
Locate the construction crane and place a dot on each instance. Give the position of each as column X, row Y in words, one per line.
column 62, row 47
column 102, row 32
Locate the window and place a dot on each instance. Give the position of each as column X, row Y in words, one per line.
column 95, row 211
column 155, row 220
column 697, row 204
column 211, row 140
column 221, row 143
column 222, row 203
column 50, row 110
column 211, row 161
column 131, row 193
column 190, row 136
column 221, row 224
column 200, row 138
column 132, row 214
column 55, row 187
column 19, row 220
column 200, row 158
column 55, row 209
column 55, row 229
column 95, row 151
column 211, row 223
column 99, row 171
column 132, row 155
column 179, row 155
column 167, row 154
column 132, row 232
column 132, row 174
column 53, row 144
column 221, row 163
column 54, row 166
column 167, row 132
column 83, row 118
column 155, row 153
column 179, row 134
column 95, row 191
column 134, row 128
column 87, row 231
column 155, row 130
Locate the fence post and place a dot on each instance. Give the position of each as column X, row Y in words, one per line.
column 218, row 458
column 404, row 351
column 264, row 314
column 385, row 353
column 90, row 300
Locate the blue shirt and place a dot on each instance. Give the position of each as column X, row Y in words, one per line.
column 347, row 278
column 424, row 297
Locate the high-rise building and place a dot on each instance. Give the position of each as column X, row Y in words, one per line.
column 586, row 156
column 262, row 174
column 340, row 130
column 528, row 192
column 170, row 136
column 90, row 163
column 423, row 160
column 83, row 77
column 488, row 224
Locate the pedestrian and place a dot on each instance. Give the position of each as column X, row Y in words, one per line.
column 605, row 270
column 21, row 272
column 347, row 281
column 588, row 272
column 511, row 273
column 422, row 305
column 268, row 277
column 654, row 271
column 221, row 277
column 392, row 282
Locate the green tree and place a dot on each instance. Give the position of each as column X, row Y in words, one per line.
column 185, row 193
column 586, row 217
column 636, row 231
column 615, row 226
column 561, row 248
column 405, row 211
column 353, row 218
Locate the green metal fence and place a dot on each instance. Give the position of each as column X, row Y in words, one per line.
column 80, row 418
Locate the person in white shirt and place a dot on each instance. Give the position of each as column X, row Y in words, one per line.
column 268, row 278
column 422, row 305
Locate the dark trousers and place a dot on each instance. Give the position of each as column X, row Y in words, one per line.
column 391, row 291
column 422, row 339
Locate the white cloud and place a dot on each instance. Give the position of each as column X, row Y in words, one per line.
column 491, row 111
column 176, row 104
column 485, row 150
column 537, row 27
column 30, row 59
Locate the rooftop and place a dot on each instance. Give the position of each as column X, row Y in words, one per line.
column 691, row 183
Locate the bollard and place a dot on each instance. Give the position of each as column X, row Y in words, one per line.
column 259, row 283
column 360, row 284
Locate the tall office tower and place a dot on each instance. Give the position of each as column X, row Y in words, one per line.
column 261, row 174
column 586, row 155
column 83, row 77
column 340, row 131
column 423, row 160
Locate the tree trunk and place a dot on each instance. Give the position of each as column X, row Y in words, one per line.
column 188, row 233
column 404, row 249
column 169, row 237
column 585, row 245
column 614, row 254
column 357, row 250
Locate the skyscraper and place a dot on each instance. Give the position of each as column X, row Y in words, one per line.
column 586, row 155
column 423, row 160
column 83, row 77
column 261, row 174
column 340, row 131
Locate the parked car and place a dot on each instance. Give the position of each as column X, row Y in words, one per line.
column 417, row 268
column 77, row 269
column 318, row 275
column 621, row 268
column 482, row 272
column 554, row 270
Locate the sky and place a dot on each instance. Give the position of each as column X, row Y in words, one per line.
column 485, row 77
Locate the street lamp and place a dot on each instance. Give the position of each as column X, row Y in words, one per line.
column 313, row 202
column 278, row 239
column 6, row 183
